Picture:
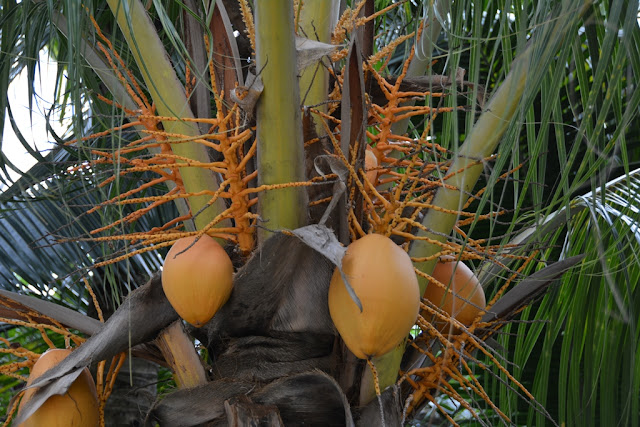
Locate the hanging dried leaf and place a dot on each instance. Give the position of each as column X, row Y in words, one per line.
column 197, row 405
column 311, row 51
column 353, row 136
column 357, row 131
column 310, row 398
column 391, row 405
column 529, row 289
column 324, row 241
column 16, row 306
column 241, row 411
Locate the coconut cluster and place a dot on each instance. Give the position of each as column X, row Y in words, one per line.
column 382, row 276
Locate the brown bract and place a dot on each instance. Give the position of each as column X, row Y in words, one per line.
column 382, row 276
column 464, row 297
column 197, row 278
column 78, row 407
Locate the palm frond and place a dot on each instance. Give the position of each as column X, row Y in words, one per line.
column 580, row 357
column 44, row 249
column 576, row 135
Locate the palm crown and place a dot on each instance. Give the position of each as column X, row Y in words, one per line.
column 502, row 135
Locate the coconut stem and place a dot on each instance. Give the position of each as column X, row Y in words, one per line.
column 376, row 384
column 280, row 153
column 180, row 354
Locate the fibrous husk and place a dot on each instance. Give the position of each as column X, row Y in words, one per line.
column 267, row 358
column 276, row 321
column 283, row 288
column 309, row 398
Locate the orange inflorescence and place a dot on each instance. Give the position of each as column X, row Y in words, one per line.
column 247, row 17
column 104, row 386
column 404, row 180
column 151, row 154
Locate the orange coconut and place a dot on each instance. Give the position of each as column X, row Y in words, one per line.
column 463, row 300
column 197, row 278
column 370, row 163
column 78, row 407
column 382, row 276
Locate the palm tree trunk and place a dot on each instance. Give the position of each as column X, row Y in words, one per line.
column 134, row 392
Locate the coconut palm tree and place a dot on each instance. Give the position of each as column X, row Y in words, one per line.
column 503, row 135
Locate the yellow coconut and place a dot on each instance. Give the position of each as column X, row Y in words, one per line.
column 370, row 163
column 465, row 297
column 197, row 278
column 382, row 276
column 78, row 407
